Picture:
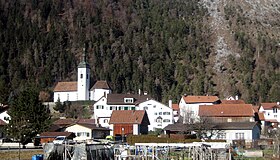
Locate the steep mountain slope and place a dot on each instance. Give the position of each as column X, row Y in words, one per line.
column 167, row 48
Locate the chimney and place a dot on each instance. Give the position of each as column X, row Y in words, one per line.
column 236, row 97
column 170, row 103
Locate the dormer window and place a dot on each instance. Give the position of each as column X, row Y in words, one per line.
column 128, row 100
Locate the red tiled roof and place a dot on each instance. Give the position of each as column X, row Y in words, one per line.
column 64, row 122
column 127, row 116
column 175, row 107
column 200, row 99
column 232, row 102
column 269, row 105
column 261, row 116
column 226, row 110
column 100, row 85
column 118, row 99
column 86, row 121
column 2, row 123
column 65, row 86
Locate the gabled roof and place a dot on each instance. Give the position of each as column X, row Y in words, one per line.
column 175, row 107
column 269, row 105
column 100, row 85
column 2, row 123
column 129, row 117
column 118, row 99
column 65, row 86
column 178, row 127
column 226, row 110
column 232, row 102
column 235, row 125
column 64, row 122
column 200, row 99
column 86, row 121
column 55, row 134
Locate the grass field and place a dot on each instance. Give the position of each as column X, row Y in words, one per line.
column 14, row 155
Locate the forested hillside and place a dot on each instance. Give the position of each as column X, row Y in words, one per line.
column 167, row 48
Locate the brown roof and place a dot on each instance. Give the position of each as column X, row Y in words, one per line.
column 55, row 134
column 256, row 109
column 118, row 99
column 226, row 110
column 271, row 120
column 86, row 121
column 269, row 105
column 2, row 123
column 261, row 116
column 200, row 99
column 232, row 101
column 178, row 127
column 100, row 85
column 65, row 86
column 129, row 116
column 175, row 107
column 64, row 122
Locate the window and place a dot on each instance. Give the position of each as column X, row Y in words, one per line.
column 145, row 108
column 99, row 107
column 274, row 110
column 67, row 96
column 87, row 76
column 105, row 121
column 132, row 108
column 158, row 120
column 87, row 134
column 154, row 106
column 166, row 120
column 155, row 113
column 239, row 135
column 125, row 108
column 160, row 113
column 128, row 100
column 81, row 76
column 6, row 118
column 79, row 134
column 221, row 135
column 166, row 113
column 275, row 116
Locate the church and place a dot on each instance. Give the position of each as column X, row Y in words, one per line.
column 80, row 90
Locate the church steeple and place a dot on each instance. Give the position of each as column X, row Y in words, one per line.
column 83, row 63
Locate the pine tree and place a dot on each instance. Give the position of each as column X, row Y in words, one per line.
column 28, row 115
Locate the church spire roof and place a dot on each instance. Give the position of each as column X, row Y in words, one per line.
column 83, row 63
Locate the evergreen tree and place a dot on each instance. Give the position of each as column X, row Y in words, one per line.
column 28, row 116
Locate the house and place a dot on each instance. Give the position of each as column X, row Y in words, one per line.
column 159, row 114
column 176, row 112
column 47, row 137
column 104, row 107
column 189, row 106
column 124, row 122
column 100, row 89
column 85, row 131
column 4, row 116
column 80, row 89
column 271, row 114
column 228, row 112
column 2, row 127
column 247, row 131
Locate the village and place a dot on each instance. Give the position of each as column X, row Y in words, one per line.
column 118, row 117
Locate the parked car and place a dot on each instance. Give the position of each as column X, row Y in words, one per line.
column 62, row 140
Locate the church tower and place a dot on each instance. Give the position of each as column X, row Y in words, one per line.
column 83, row 78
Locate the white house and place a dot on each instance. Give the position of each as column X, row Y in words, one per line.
column 85, row 132
column 4, row 116
column 189, row 106
column 100, row 89
column 247, row 131
column 271, row 114
column 104, row 107
column 159, row 114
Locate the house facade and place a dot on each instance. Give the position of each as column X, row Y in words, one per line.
column 104, row 107
column 159, row 114
column 125, row 122
column 4, row 116
column 271, row 114
column 189, row 106
column 85, row 131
